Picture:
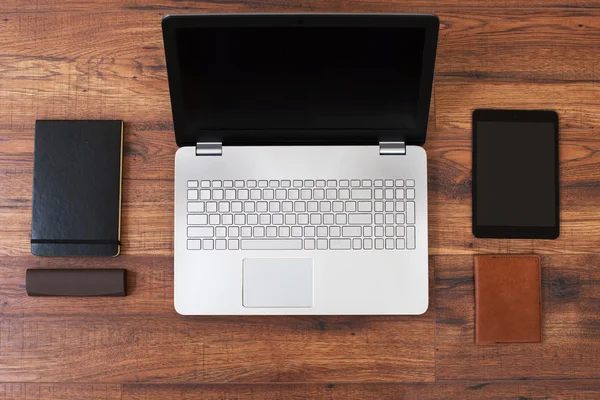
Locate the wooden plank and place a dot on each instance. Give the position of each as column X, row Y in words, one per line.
column 570, row 345
column 58, row 391
column 217, row 6
column 485, row 390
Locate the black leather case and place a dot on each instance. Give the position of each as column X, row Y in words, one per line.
column 76, row 203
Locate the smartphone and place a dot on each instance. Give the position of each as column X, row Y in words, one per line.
column 515, row 174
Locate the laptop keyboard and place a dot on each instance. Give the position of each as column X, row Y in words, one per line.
column 301, row 215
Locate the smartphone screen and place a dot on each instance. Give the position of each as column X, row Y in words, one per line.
column 515, row 174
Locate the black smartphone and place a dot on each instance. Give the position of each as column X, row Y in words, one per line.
column 515, row 174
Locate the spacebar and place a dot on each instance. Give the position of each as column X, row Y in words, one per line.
column 275, row 244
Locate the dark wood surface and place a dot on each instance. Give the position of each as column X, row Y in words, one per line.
column 74, row 59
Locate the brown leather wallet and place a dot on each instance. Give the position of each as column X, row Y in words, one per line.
column 507, row 299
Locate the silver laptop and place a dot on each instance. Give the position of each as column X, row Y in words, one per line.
column 300, row 181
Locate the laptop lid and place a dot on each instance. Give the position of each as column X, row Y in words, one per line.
column 300, row 79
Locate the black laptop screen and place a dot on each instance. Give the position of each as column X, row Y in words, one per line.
column 246, row 78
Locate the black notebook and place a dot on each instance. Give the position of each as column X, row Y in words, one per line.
column 76, row 208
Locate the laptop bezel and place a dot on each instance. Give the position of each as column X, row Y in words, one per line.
column 256, row 137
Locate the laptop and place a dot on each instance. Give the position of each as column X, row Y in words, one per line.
column 300, row 178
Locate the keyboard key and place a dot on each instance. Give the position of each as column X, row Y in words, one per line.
column 378, row 183
column 410, row 212
column 252, row 219
column 220, row 231
column 331, row 194
column 410, row 194
column 410, row 238
column 211, row 206
column 265, row 219
column 367, row 183
column 389, row 219
column 262, row 206
column 243, row 194
column 272, row 244
column 328, row 219
column 320, row 183
column 249, row 206
column 359, row 219
column 379, row 244
column 205, row 184
column 351, row 231
column 262, row 183
column 400, row 231
column 379, row 206
column 299, row 206
column 379, row 231
column 234, row 244
column 233, row 231
column 364, row 206
column 273, row 183
column 309, row 183
column 350, row 206
column 227, row 184
column 389, row 231
column 339, row 244
column 255, row 194
column 399, row 206
column 192, row 184
column 306, row 194
column 400, row 219
column 399, row 182
column 274, row 206
column 410, row 183
column 208, row 244
column 239, row 184
column 312, row 206
column 280, row 194
column 388, row 183
column 296, row 231
column 315, row 219
column 277, row 219
column 287, row 206
column 227, row 219
column 341, row 219
column 297, row 183
column 319, row 194
column 367, row 244
column 344, row 194
column 193, row 244
column 214, row 219
column 361, row 194
column 246, row 231
column 268, row 194
column 195, row 207
column 367, row 231
column 400, row 244
column 335, row 231
column 224, row 206
column 344, row 183
column 331, row 183
column 230, row 194
column 322, row 244
column 309, row 244
column 378, row 219
column 286, row 184
column 239, row 219
column 389, row 244
column 309, row 231
column 337, row 206
column 389, row 206
column 355, row 183
column 200, row 231
column 303, row 219
column 271, row 231
column 325, row 206
column 290, row 219
column 389, row 194
column 258, row 231
column 216, row 184
column 192, row 194
column 284, row 231
column 378, row 194
column 356, row 244
column 322, row 231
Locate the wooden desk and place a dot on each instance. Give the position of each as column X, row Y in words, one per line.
column 62, row 59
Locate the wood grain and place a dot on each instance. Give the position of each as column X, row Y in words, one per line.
column 570, row 345
column 70, row 59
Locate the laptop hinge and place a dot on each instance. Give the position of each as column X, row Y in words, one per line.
column 392, row 148
column 209, row 149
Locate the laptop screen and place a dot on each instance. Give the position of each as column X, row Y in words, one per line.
column 300, row 77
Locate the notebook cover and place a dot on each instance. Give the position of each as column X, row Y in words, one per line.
column 76, row 203
column 507, row 299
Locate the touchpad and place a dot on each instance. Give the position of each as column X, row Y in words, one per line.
column 278, row 282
